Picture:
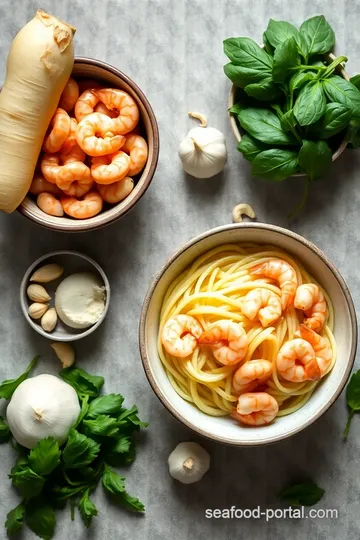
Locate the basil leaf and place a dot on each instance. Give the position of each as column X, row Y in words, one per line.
column 267, row 45
column 305, row 494
column 82, row 382
column 303, row 46
column 315, row 158
column 238, row 107
column 298, row 80
column 286, row 57
column 241, row 76
column 341, row 91
column 265, row 90
column 279, row 31
column 40, row 518
column 45, row 456
column 87, row 509
column 335, row 119
column 7, row 388
column 250, row 147
column 288, row 120
column 276, row 164
column 353, row 136
column 310, row 104
column 318, row 35
column 109, row 404
column 355, row 80
column 352, row 399
column 103, row 426
column 28, row 483
column 5, row 433
column 113, row 482
column 15, row 519
column 265, row 126
column 79, row 450
column 245, row 52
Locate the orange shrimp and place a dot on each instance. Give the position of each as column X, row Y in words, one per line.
column 310, row 299
column 70, row 140
column 85, row 104
column 321, row 347
column 256, row 409
column 59, row 131
column 101, row 108
column 262, row 303
column 251, row 374
column 109, row 169
column 64, row 168
column 283, row 273
column 116, row 192
column 69, row 95
column 124, row 104
column 180, row 334
column 49, row 204
column 296, row 361
column 228, row 340
column 96, row 137
column 137, row 148
column 89, row 206
column 40, row 185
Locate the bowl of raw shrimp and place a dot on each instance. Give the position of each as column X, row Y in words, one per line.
column 99, row 154
column 248, row 334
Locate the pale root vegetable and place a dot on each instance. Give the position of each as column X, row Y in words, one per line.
column 39, row 65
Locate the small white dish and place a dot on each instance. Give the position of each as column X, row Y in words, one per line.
column 71, row 261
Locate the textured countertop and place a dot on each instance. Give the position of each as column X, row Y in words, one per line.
column 173, row 50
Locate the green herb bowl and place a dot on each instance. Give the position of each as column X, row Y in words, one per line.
column 237, row 129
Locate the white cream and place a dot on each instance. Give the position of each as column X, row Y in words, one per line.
column 80, row 300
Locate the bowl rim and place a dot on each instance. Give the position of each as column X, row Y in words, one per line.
column 85, row 225
column 146, row 304
column 37, row 327
column 236, row 131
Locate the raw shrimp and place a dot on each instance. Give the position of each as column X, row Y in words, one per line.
column 137, row 148
column 256, row 409
column 85, row 104
column 40, row 185
column 251, row 374
column 69, row 95
column 180, row 334
column 283, row 273
column 310, row 299
column 228, row 340
column 109, row 169
column 116, row 192
column 262, row 303
column 90, row 205
column 296, row 361
column 49, row 204
column 101, row 108
column 123, row 103
column 70, row 140
column 96, row 137
column 321, row 347
column 60, row 129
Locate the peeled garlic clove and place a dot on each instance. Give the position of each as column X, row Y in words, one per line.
column 65, row 353
column 37, row 310
column 49, row 320
column 47, row 273
column 37, row 293
column 188, row 462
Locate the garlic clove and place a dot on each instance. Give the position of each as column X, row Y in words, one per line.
column 188, row 462
column 49, row 320
column 37, row 310
column 65, row 353
column 37, row 293
column 47, row 273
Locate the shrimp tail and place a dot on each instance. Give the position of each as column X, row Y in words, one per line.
column 313, row 371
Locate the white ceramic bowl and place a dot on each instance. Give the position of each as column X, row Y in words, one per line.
column 72, row 262
column 224, row 429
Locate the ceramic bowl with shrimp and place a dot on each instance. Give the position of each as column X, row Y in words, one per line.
column 99, row 154
column 225, row 429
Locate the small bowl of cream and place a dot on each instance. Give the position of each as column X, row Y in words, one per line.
column 77, row 295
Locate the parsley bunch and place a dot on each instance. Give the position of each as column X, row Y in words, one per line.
column 48, row 476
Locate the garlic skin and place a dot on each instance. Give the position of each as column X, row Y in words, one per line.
column 188, row 462
column 65, row 353
column 43, row 406
column 203, row 152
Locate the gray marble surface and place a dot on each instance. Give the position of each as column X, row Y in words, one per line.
column 173, row 50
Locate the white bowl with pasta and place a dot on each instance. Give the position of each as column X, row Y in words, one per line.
column 192, row 402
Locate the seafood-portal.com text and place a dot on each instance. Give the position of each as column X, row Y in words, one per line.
column 271, row 513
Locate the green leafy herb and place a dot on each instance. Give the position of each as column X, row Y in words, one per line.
column 15, row 519
column 87, row 508
column 250, row 147
column 103, row 426
column 79, row 450
column 241, row 76
column 304, row 494
column 129, row 419
column 113, row 482
column 310, row 104
column 83, row 382
column 279, row 31
column 355, row 80
column 263, row 91
column 275, row 164
column 341, row 91
column 246, row 52
column 45, row 456
column 264, row 125
column 335, row 119
column 300, row 78
column 131, row 503
column 352, row 399
column 318, row 35
column 331, row 67
column 315, row 158
column 122, row 452
column 110, row 404
column 5, row 433
column 288, row 121
column 7, row 388
column 40, row 518
column 286, row 56
column 28, row 483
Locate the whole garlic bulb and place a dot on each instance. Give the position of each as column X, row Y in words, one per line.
column 203, row 151
column 43, row 406
column 188, row 462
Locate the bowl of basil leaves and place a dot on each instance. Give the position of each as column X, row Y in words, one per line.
column 293, row 108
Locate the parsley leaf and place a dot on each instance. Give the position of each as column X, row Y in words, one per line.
column 109, row 404
column 7, row 388
column 45, row 456
column 103, row 425
column 304, row 494
column 122, row 452
column 130, row 421
column 113, row 482
column 87, row 509
column 79, row 450
column 82, row 382
column 352, row 399
column 15, row 519
column 131, row 503
column 5, row 432
column 28, row 483
column 40, row 518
